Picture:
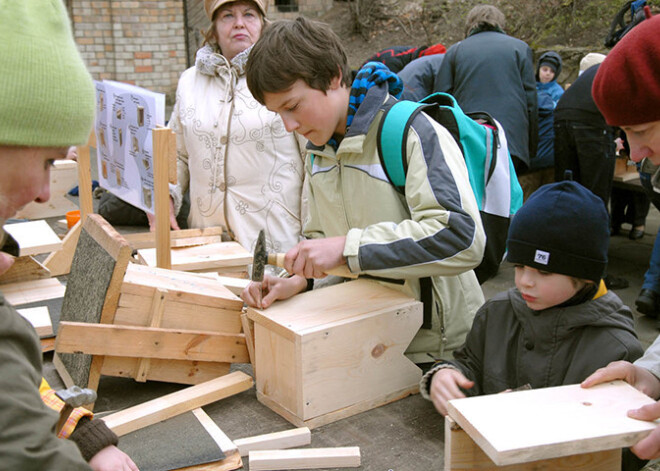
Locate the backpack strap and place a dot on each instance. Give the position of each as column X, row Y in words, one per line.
column 392, row 138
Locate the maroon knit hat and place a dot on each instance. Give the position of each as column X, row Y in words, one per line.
column 626, row 88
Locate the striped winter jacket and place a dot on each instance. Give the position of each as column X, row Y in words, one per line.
column 434, row 230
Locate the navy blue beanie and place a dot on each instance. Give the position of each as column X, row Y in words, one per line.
column 562, row 228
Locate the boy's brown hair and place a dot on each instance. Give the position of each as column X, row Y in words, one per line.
column 289, row 50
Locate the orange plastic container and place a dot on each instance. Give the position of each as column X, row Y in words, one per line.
column 72, row 217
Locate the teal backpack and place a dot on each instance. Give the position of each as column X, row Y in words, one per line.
column 491, row 172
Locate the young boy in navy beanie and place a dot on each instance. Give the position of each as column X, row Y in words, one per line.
column 559, row 324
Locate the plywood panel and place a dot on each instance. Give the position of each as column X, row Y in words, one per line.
column 276, row 365
column 524, row 426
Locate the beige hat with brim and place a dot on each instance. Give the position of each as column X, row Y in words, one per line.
column 212, row 5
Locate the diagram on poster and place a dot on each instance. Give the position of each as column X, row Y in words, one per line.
column 125, row 118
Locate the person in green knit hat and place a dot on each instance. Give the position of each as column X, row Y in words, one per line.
column 47, row 98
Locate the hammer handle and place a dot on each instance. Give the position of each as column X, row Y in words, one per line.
column 277, row 259
column 64, row 416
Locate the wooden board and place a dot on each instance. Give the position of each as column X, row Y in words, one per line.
column 547, row 423
column 461, row 453
column 221, row 255
column 59, row 263
column 169, row 371
column 40, row 320
column 34, row 237
column 308, row 458
column 92, row 290
column 25, row 269
column 25, row 292
column 150, row 342
column 63, row 177
column 181, row 238
column 170, row 405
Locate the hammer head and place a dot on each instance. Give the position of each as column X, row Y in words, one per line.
column 260, row 257
column 75, row 396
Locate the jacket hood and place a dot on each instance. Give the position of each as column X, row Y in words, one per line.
column 552, row 58
column 605, row 311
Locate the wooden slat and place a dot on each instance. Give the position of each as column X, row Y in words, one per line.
column 176, row 403
column 181, row 238
column 548, row 423
column 169, row 371
column 275, row 441
column 162, row 149
column 149, row 342
column 211, row 256
column 216, row 433
column 308, row 458
column 155, row 319
column 59, row 263
column 24, row 292
column 34, row 237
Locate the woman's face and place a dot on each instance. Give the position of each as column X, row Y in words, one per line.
column 25, row 176
column 237, row 27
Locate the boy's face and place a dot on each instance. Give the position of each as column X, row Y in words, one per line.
column 542, row 290
column 25, row 176
column 644, row 141
column 310, row 112
column 546, row 74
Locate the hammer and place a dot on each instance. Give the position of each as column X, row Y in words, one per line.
column 73, row 397
column 262, row 258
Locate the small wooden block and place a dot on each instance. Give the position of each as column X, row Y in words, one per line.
column 309, row 458
column 275, row 441
column 34, row 237
column 25, row 269
column 167, row 406
column 40, row 320
column 548, row 423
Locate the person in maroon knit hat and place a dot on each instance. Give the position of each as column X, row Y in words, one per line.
column 626, row 89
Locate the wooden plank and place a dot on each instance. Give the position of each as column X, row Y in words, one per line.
column 212, row 256
column 176, row 403
column 235, row 285
column 47, row 344
column 309, row 458
column 461, row 452
column 216, row 433
column 59, row 263
column 191, row 288
column 63, row 177
column 24, row 292
column 150, row 342
column 547, row 423
column 85, row 178
column 24, row 269
column 248, row 330
column 155, row 319
column 275, row 441
column 169, row 371
column 34, row 237
column 40, row 320
column 178, row 315
column 180, row 238
column 162, row 149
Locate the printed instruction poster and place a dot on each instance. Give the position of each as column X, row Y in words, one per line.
column 125, row 118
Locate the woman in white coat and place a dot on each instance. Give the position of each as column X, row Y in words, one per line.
column 244, row 171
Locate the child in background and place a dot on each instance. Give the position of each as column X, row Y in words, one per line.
column 548, row 70
column 356, row 217
column 559, row 323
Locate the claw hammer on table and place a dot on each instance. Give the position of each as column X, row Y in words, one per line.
column 73, row 397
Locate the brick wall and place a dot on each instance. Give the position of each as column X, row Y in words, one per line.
column 139, row 42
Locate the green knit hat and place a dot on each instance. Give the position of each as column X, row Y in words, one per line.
column 46, row 93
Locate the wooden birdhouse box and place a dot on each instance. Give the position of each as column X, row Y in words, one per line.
column 334, row 352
